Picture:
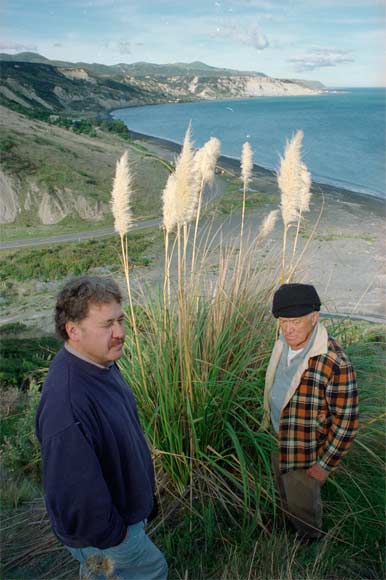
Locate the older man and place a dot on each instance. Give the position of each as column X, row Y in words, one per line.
column 312, row 399
column 97, row 469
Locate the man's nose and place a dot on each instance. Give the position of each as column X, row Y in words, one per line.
column 289, row 327
column 118, row 330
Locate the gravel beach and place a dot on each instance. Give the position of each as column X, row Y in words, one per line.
column 345, row 258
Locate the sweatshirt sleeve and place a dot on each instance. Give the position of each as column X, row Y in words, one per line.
column 77, row 498
column 342, row 400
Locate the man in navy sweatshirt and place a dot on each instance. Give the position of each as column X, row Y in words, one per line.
column 97, row 468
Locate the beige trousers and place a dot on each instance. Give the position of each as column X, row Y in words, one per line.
column 300, row 500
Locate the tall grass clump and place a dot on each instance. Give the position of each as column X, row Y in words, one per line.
column 204, row 341
column 202, row 405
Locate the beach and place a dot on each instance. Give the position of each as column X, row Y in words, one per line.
column 345, row 258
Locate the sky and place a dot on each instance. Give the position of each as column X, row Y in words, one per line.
column 338, row 42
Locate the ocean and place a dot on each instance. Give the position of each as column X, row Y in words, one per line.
column 344, row 131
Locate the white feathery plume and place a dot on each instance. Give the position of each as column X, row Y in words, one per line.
column 205, row 160
column 304, row 189
column 246, row 164
column 120, row 196
column 186, row 182
column 294, row 181
column 268, row 224
column 169, row 203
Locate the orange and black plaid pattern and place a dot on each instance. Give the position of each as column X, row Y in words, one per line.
column 321, row 419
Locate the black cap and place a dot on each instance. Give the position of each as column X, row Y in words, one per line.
column 293, row 300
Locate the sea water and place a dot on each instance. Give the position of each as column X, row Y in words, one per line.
column 344, row 131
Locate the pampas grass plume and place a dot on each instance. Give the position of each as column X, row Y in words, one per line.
column 268, row 224
column 205, row 160
column 186, row 182
column 120, row 196
column 169, row 203
column 292, row 179
column 246, row 163
column 304, row 189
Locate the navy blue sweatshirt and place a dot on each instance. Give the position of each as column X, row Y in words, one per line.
column 97, row 470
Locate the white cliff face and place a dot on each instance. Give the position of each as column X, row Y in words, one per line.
column 268, row 87
column 9, row 203
column 88, row 210
column 54, row 207
column 77, row 74
column 50, row 208
column 210, row 88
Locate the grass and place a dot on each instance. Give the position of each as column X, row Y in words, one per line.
column 206, row 539
column 231, row 200
column 58, row 261
column 23, row 358
column 69, row 225
column 46, row 158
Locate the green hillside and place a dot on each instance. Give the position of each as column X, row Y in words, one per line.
column 52, row 174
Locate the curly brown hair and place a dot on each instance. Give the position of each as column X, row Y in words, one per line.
column 78, row 294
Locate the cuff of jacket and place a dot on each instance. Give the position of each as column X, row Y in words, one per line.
column 326, row 466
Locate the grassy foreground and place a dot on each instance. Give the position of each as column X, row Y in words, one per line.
column 218, row 516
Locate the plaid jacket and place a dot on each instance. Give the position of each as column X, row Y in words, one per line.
column 319, row 417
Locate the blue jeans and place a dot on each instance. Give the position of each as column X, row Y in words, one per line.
column 136, row 558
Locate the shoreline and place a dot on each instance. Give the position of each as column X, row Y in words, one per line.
column 345, row 258
column 171, row 148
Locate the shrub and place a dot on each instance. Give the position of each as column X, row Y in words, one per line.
column 20, row 452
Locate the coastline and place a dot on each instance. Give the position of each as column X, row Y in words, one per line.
column 265, row 177
column 336, row 151
column 345, row 257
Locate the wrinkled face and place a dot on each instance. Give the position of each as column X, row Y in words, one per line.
column 100, row 336
column 297, row 331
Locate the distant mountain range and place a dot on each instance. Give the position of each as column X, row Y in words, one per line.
column 32, row 82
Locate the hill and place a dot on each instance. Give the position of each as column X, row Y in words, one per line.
column 44, row 87
column 31, row 81
column 51, row 174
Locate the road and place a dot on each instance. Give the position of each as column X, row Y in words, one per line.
column 75, row 237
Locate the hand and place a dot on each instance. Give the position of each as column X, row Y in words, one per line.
column 316, row 472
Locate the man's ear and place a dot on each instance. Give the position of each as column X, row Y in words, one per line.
column 72, row 330
column 315, row 317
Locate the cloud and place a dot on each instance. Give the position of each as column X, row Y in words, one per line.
column 124, row 47
column 16, row 46
column 260, row 4
column 320, row 58
column 257, row 39
column 252, row 36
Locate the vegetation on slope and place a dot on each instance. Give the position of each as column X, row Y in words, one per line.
column 73, row 158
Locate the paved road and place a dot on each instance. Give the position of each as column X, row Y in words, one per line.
column 76, row 237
